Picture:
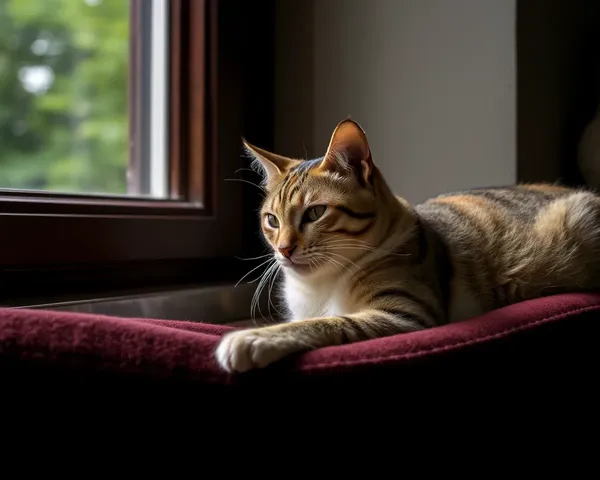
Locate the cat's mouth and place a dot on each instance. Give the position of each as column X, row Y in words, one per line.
column 298, row 267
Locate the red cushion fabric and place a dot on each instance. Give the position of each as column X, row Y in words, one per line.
column 543, row 348
column 166, row 347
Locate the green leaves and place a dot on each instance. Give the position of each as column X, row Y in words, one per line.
column 69, row 133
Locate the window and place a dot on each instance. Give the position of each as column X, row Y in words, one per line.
column 64, row 95
column 119, row 123
column 75, row 97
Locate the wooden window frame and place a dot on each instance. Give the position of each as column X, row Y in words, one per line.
column 55, row 244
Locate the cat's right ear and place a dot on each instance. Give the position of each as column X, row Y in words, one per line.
column 272, row 166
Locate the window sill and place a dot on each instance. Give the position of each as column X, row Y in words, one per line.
column 216, row 304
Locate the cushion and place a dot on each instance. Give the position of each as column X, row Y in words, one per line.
column 534, row 349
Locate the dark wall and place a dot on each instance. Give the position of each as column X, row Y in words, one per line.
column 558, row 53
column 246, row 100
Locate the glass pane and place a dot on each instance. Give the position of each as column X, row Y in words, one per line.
column 65, row 97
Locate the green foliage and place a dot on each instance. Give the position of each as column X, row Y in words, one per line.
column 72, row 137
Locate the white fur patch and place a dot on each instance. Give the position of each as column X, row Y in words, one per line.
column 318, row 299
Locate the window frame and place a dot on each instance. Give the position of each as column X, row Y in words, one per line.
column 62, row 243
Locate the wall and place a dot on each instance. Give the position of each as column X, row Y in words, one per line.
column 431, row 81
column 558, row 85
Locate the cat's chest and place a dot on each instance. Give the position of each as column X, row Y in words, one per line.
column 321, row 300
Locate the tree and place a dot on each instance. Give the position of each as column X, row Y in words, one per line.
column 63, row 95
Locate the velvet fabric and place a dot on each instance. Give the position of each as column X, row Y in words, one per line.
column 540, row 354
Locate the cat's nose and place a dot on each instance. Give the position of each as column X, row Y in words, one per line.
column 287, row 251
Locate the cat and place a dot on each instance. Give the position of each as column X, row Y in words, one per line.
column 360, row 263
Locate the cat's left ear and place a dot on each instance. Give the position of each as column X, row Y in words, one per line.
column 349, row 152
column 274, row 167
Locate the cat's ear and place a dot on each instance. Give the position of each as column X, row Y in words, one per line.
column 273, row 167
column 349, row 152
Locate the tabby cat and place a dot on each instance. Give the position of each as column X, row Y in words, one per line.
column 360, row 263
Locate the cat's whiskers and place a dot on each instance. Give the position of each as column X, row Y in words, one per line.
column 242, row 169
column 316, row 262
column 257, row 292
column 256, row 297
column 346, row 259
column 256, row 258
column 339, row 243
column 269, row 276
column 330, row 248
column 254, row 269
column 273, row 278
column 336, row 262
column 357, row 245
column 246, row 181
column 339, row 240
column 331, row 260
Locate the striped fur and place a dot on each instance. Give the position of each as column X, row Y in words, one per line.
column 372, row 265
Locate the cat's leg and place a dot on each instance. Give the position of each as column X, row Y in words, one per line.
column 243, row 350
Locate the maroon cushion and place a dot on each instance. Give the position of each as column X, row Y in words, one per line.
column 185, row 349
column 89, row 373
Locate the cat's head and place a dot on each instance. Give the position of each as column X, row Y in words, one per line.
column 319, row 215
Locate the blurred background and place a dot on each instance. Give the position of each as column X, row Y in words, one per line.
column 63, row 95
column 452, row 93
column 121, row 122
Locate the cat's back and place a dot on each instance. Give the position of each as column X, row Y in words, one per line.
column 509, row 203
column 508, row 244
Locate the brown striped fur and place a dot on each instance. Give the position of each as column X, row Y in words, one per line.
column 372, row 265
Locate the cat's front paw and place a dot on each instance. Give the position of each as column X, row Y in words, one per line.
column 244, row 350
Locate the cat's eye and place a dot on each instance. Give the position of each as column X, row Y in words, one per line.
column 313, row 213
column 272, row 221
